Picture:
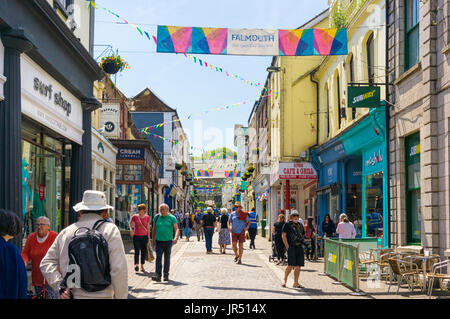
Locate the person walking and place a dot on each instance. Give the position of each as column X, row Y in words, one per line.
column 253, row 229
column 238, row 224
column 328, row 227
column 140, row 232
column 293, row 237
column 198, row 224
column 310, row 234
column 35, row 249
column 209, row 223
column 180, row 218
column 345, row 228
column 224, row 233
column 164, row 236
column 55, row 265
column 277, row 236
column 187, row 226
column 13, row 274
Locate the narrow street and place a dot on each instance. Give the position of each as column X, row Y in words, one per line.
column 196, row 275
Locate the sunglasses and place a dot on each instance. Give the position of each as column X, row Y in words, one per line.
column 39, row 225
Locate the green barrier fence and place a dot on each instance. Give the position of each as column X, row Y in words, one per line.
column 331, row 257
column 342, row 262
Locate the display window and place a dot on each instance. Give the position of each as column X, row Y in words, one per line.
column 41, row 180
column 374, row 205
column 354, row 206
column 128, row 197
column 413, row 199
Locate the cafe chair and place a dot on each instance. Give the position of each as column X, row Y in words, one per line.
column 402, row 269
column 436, row 272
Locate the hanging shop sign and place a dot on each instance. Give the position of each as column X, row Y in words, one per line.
column 363, row 96
column 299, row 42
column 110, row 120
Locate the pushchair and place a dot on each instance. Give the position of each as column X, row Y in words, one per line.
column 274, row 255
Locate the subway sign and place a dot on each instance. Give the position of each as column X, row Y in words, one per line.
column 363, row 96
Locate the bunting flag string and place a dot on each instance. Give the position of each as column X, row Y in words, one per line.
column 146, row 130
column 189, row 56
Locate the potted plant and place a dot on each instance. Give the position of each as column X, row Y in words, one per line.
column 178, row 167
column 113, row 64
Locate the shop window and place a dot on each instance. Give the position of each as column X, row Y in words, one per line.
column 413, row 199
column 128, row 197
column 119, row 172
column 353, row 206
column 132, row 172
column 374, row 205
column 412, row 33
column 370, row 47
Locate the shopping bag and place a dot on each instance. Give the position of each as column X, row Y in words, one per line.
column 150, row 256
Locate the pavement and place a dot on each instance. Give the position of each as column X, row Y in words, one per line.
column 197, row 275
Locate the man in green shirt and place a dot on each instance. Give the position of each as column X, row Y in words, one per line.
column 164, row 235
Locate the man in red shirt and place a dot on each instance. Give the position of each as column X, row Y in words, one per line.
column 35, row 249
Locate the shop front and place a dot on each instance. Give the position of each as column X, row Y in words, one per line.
column 287, row 188
column 136, row 173
column 367, row 139
column 261, row 195
column 339, row 187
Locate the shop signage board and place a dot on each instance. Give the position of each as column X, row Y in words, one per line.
column 293, row 171
column 110, row 119
column 363, row 96
column 131, row 153
column 49, row 103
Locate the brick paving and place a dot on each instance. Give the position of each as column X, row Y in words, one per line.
column 196, row 275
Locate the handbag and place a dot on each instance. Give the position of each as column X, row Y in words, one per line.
column 150, row 256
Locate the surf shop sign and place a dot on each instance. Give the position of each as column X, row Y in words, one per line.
column 363, row 96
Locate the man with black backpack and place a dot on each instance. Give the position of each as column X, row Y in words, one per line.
column 87, row 259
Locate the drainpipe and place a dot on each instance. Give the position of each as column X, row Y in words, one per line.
column 313, row 162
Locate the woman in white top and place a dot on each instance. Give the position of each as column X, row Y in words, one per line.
column 345, row 228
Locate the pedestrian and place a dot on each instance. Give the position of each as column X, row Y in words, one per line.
column 238, row 224
column 345, row 228
column 36, row 247
column 187, row 226
column 277, row 232
column 253, row 229
column 180, row 218
column 198, row 224
column 209, row 223
column 140, row 233
column 310, row 234
column 13, row 274
column 293, row 239
column 224, row 233
column 164, row 236
column 55, row 265
column 328, row 227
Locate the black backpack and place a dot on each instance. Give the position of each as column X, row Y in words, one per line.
column 89, row 250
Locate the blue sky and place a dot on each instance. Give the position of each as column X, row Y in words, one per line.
column 180, row 83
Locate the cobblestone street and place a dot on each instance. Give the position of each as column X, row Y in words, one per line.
column 196, row 275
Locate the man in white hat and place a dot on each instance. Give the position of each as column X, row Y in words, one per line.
column 55, row 264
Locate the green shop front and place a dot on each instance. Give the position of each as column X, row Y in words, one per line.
column 368, row 140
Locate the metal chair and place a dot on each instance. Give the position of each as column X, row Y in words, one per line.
column 436, row 272
column 402, row 269
column 383, row 262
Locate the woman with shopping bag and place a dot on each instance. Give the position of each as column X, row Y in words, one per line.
column 140, row 232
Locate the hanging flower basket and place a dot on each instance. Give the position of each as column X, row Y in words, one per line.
column 182, row 172
column 244, row 178
column 113, row 64
column 251, row 169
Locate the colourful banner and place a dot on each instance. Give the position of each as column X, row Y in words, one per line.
column 224, row 41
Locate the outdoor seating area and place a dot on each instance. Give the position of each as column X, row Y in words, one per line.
column 418, row 268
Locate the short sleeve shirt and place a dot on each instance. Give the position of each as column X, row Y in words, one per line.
column 209, row 220
column 237, row 225
column 164, row 227
column 294, row 233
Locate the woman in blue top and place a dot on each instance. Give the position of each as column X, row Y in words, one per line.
column 13, row 274
column 253, row 229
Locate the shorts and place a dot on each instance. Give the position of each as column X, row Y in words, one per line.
column 238, row 237
column 296, row 256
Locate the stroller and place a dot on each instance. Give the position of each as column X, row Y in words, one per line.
column 274, row 255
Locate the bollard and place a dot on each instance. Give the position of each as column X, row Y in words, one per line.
column 263, row 227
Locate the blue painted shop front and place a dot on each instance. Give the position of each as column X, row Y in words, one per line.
column 339, row 183
column 367, row 139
